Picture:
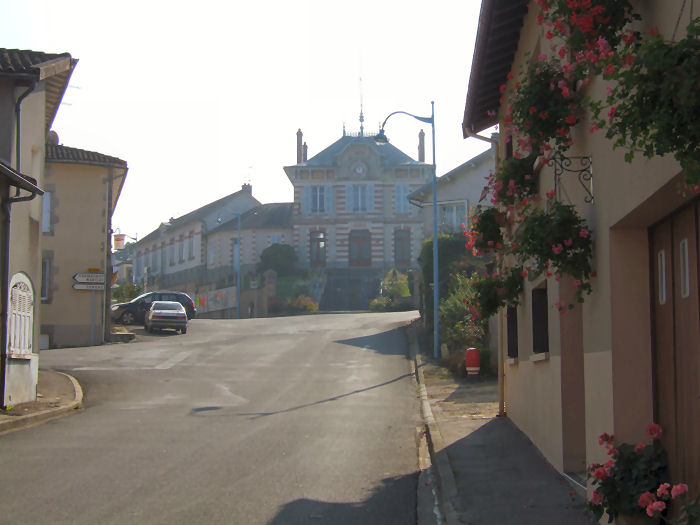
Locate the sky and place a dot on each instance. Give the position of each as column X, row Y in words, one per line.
column 202, row 97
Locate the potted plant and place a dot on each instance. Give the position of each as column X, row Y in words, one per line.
column 544, row 106
column 514, row 180
column 556, row 240
column 485, row 230
column 493, row 291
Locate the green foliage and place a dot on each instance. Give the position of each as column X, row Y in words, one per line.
column 394, row 293
column 654, row 104
column 631, row 471
column 493, row 291
column 545, row 105
column 387, row 304
column 126, row 292
column 457, row 328
column 514, row 179
column 452, row 258
column 557, row 241
column 485, row 232
column 279, row 257
column 303, row 303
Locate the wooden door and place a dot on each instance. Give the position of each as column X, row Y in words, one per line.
column 360, row 247
column 676, row 312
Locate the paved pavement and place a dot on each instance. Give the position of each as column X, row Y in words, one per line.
column 477, row 468
column 487, row 470
column 58, row 395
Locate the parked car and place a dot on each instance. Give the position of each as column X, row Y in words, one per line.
column 134, row 312
column 166, row 314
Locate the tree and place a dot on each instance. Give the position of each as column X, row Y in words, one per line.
column 280, row 258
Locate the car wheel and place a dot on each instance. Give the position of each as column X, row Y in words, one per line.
column 183, row 331
column 128, row 318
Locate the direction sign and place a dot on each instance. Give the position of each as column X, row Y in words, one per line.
column 89, row 286
column 89, row 277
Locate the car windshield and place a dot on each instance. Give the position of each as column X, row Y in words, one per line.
column 140, row 297
column 166, row 305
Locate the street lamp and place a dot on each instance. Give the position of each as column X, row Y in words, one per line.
column 381, row 137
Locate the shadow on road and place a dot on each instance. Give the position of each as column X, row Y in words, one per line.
column 391, row 342
column 392, row 502
column 255, row 415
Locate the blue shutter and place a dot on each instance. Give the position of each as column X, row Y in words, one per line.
column 329, row 198
column 370, row 198
column 306, row 200
column 348, row 198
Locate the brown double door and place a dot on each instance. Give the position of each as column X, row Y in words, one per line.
column 676, row 310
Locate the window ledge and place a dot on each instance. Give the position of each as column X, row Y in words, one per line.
column 26, row 356
column 540, row 356
column 512, row 361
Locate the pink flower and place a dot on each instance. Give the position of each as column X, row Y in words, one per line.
column 568, row 242
column 639, row 447
column 611, row 113
column 646, row 499
column 596, row 498
column 657, row 506
column 600, row 473
column 583, row 232
column 653, row 431
column 663, row 490
column 557, row 248
column 577, row 283
column 679, row 490
column 609, row 463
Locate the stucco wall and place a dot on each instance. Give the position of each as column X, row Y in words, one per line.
column 75, row 244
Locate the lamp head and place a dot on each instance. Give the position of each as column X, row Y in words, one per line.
column 381, row 138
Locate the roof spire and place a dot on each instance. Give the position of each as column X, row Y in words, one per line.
column 362, row 116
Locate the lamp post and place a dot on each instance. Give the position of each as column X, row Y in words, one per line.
column 381, row 137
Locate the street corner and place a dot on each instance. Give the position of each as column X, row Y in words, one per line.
column 58, row 394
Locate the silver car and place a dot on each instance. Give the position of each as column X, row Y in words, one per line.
column 166, row 314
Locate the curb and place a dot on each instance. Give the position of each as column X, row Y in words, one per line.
column 30, row 420
column 446, row 486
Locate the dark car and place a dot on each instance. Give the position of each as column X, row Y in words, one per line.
column 166, row 314
column 134, row 312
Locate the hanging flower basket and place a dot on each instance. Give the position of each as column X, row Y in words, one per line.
column 556, row 241
column 514, row 180
column 544, row 106
column 493, row 291
column 485, row 232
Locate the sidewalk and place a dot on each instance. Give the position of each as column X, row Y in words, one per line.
column 58, row 394
column 487, row 470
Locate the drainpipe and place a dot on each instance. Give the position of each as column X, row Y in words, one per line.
column 5, row 273
column 501, row 314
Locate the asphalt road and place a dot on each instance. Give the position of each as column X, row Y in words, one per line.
column 273, row 421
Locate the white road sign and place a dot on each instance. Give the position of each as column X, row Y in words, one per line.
column 89, row 286
column 89, row 277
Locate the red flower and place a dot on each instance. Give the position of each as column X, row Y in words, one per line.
column 533, row 109
column 654, row 30
column 562, row 52
column 600, row 473
column 646, row 499
column 571, row 119
column 663, row 490
column 639, row 447
column 657, row 506
column 549, row 35
column 653, row 431
column 596, row 498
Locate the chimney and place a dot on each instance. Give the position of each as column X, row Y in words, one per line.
column 421, row 146
column 52, row 139
column 300, row 152
column 306, row 150
column 247, row 188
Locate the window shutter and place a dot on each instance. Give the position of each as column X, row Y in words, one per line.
column 46, row 212
column 370, row 197
column 307, row 200
column 540, row 326
column 349, row 198
column 329, row 198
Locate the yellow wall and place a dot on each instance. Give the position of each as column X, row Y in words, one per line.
column 76, row 244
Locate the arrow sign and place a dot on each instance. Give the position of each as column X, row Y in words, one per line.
column 89, row 286
column 89, row 278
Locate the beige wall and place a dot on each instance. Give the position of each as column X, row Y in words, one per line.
column 75, row 244
column 615, row 319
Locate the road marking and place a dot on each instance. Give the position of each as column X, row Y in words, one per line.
column 172, row 361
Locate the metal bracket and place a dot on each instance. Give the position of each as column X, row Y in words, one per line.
column 584, row 173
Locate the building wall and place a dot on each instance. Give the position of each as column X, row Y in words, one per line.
column 615, row 321
column 25, row 239
column 74, row 244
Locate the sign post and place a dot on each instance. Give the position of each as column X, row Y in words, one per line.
column 94, row 282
